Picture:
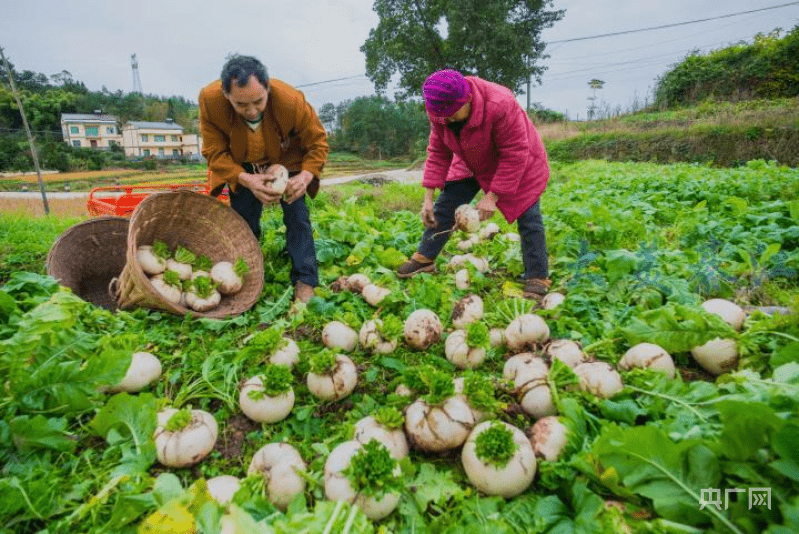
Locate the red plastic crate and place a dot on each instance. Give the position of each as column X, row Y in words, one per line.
column 105, row 201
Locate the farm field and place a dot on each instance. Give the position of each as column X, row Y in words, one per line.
column 635, row 248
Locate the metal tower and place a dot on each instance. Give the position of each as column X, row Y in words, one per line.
column 134, row 63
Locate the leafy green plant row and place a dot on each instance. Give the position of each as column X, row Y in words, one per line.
column 634, row 247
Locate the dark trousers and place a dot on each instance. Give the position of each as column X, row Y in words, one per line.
column 299, row 234
column 530, row 224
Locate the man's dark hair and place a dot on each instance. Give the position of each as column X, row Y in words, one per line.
column 241, row 68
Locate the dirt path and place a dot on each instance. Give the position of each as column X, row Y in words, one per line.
column 398, row 175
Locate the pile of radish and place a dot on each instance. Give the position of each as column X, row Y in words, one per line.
column 443, row 413
column 187, row 280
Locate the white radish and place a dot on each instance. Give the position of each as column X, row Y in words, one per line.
column 186, row 439
column 508, row 475
column 337, row 335
column 335, row 384
column 462, row 279
column 374, row 295
column 460, row 354
column 467, row 218
column 599, row 378
column 488, row 231
column 481, row 264
column 536, row 399
column 356, row 282
column 149, row 262
column 288, row 353
column 552, row 300
column 263, row 408
column 338, row 487
column 202, row 304
column 438, row 428
column 183, row 269
column 372, row 340
column 524, row 367
column 497, row 336
column 467, row 310
column 513, row 237
column 467, row 244
column 456, row 261
column 565, row 350
column 732, row 314
column 144, row 369
column 223, row 488
column 170, row 292
column 368, row 428
column 280, row 465
column 549, row 437
column 526, row 330
column 717, row 356
column 422, row 329
column 281, row 178
column 224, row 274
column 648, row 356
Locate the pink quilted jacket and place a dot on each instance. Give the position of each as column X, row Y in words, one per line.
column 498, row 145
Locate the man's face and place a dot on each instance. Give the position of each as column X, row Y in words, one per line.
column 249, row 101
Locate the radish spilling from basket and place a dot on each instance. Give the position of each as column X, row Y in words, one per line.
column 188, row 280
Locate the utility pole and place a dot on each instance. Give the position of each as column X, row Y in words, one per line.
column 28, row 132
column 134, row 64
column 594, row 85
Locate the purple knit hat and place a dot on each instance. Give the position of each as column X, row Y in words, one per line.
column 445, row 92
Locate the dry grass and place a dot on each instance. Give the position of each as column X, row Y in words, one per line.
column 33, row 207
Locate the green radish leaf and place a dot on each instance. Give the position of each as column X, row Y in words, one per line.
column 676, row 328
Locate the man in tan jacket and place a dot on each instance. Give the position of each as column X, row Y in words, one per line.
column 249, row 122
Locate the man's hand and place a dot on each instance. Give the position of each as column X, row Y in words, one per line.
column 428, row 218
column 260, row 187
column 487, row 206
column 297, row 186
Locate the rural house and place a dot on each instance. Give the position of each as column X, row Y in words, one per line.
column 159, row 139
column 90, row 130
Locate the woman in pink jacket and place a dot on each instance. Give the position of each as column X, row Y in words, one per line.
column 481, row 138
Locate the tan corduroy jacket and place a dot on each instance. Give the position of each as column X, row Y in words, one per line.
column 293, row 134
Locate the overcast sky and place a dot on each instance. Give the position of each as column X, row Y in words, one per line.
column 181, row 44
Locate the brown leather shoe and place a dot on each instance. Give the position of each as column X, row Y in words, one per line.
column 303, row 292
column 417, row 264
column 536, row 288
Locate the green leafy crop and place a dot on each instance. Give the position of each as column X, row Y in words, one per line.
column 161, row 249
column 203, row 263
column 495, row 446
column 172, row 278
column 389, row 417
column 371, row 470
column 179, row 420
column 323, row 362
column 276, row 379
column 390, row 328
column 477, row 335
column 203, row 286
column 184, row 255
column 240, row 267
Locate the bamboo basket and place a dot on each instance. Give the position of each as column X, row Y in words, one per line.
column 205, row 226
column 88, row 255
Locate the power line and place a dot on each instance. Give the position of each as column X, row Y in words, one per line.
column 330, row 81
column 671, row 25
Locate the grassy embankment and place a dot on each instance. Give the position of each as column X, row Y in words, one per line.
column 718, row 133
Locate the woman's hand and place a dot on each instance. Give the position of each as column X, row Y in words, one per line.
column 428, row 217
column 487, row 206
